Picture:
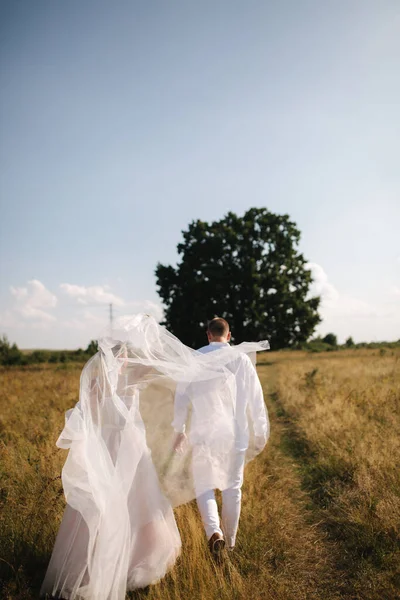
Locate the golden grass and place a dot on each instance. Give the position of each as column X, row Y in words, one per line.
column 320, row 516
column 343, row 428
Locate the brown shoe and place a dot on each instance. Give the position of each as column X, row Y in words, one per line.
column 216, row 543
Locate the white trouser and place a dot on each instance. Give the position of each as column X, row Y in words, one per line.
column 231, row 503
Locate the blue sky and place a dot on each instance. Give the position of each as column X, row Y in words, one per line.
column 122, row 122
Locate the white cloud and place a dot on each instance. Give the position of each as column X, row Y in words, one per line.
column 28, row 318
column 152, row 308
column 90, row 319
column 95, row 294
column 8, row 319
column 88, row 323
column 102, row 294
column 73, row 323
column 334, row 302
column 321, row 286
column 348, row 315
column 33, row 302
column 395, row 291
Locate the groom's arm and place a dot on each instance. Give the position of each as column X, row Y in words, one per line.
column 181, row 407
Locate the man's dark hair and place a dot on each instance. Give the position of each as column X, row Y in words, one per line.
column 218, row 327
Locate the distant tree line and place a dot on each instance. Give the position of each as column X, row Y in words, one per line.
column 330, row 343
column 11, row 355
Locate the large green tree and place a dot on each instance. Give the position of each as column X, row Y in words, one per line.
column 246, row 269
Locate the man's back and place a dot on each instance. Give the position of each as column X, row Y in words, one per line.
column 249, row 395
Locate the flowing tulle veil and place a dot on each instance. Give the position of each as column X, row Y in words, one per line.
column 122, row 478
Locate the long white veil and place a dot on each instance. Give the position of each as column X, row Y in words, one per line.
column 122, row 476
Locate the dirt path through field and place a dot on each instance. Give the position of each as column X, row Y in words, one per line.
column 284, row 552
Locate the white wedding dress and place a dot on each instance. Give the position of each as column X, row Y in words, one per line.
column 121, row 478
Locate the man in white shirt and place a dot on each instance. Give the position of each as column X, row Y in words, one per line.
column 248, row 399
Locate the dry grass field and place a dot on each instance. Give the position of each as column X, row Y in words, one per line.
column 321, row 505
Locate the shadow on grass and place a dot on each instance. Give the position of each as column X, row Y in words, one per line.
column 265, row 363
column 23, row 579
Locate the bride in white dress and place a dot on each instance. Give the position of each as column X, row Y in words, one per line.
column 121, row 477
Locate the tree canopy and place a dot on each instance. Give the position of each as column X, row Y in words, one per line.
column 330, row 339
column 246, row 269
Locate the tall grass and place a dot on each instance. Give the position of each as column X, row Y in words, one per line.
column 320, row 516
column 343, row 418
